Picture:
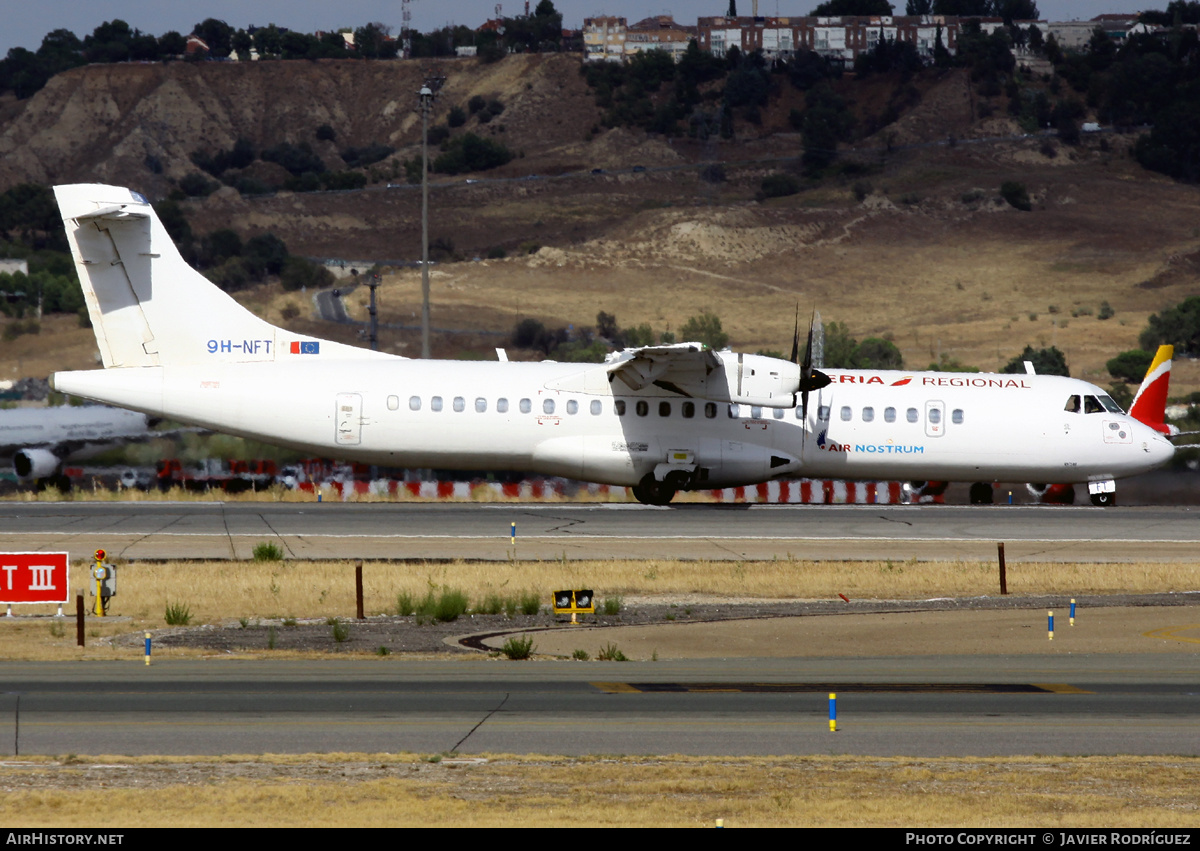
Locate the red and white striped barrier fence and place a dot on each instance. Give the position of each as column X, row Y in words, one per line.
column 794, row 491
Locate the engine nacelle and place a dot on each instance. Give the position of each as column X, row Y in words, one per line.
column 35, row 463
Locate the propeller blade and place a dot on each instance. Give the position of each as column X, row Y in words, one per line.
column 810, row 378
column 795, row 358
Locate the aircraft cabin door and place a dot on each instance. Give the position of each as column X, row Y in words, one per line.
column 348, row 419
column 935, row 419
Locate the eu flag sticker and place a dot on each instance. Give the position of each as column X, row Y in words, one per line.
column 306, row 348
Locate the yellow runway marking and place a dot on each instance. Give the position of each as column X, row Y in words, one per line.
column 1169, row 633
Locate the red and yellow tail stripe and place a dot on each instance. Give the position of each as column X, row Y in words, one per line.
column 1150, row 404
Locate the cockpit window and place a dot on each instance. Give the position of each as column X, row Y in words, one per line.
column 1091, row 405
column 1110, row 405
column 1072, row 405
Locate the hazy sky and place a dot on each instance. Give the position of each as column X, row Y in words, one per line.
column 23, row 24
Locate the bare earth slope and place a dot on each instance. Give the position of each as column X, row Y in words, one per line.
column 918, row 247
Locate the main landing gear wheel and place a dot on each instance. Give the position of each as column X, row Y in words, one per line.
column 650, row 491
column 982, row 494
column 1104, row 500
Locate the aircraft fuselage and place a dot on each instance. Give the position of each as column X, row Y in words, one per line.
column 569, row 420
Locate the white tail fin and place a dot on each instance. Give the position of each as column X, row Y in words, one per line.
column 149, row 307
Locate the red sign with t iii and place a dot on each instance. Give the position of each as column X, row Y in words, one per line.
column 33, row 577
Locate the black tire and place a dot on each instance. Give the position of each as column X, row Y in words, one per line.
column 982, row 494
column 650, row 491
column 1104, row 500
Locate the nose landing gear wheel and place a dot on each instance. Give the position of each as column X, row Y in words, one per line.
column 1104, row 500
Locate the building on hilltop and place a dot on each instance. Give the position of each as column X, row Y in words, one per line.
column 604, row 39
column 840, row 39
column 658, row 33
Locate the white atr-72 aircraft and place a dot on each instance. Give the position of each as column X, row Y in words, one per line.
column 660, row 419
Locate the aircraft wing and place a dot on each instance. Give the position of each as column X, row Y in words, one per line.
column 671, row 367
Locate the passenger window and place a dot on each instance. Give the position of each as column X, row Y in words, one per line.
column 778, row 413
column 572, row 407
column 755, row 412
column 393, row 403
column 1072, row 406
column 935, row 415
column 846, row 413
column 1091, row 405
column 619, row 407
column 480, row 405
column 548, row 406
column 710, row 410
column 642, row 407
column 435, row 404
column 889, row 415
column 501, row 405
column 912, row 415
column 526, row 406
column 956, row 416
column 868, row 415
column 823, row 413
column 664, row 409
column 734, row 412
column 689, row 410
column 596, row 407
column 460, row 404
column 799, row 412
column 414, row 403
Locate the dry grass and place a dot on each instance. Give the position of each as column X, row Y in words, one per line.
column 224, row 591
column 377, row 790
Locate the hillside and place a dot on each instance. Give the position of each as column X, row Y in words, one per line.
column 916, row 246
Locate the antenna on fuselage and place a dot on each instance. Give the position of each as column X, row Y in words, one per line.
column 1029, row 370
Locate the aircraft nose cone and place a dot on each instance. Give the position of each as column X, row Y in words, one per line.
column 1161, row 450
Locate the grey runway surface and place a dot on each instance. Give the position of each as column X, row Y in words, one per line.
column 158, row 530
column 920, row 706
column 898, row 705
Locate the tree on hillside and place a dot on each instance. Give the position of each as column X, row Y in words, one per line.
column 1173, row 144
column 705, row 328
column 1178, row 326
column 1009, row 10
column 1177, row 12
column 919, row 7
column 371, row 42
column 171, row 44
column 217, row 34
column 825, row 122
column 1045, row 362
column 109, row 42
column 1130, row 366
column 838, row 8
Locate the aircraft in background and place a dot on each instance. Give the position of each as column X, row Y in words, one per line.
column 41, row 440
column 659, row 419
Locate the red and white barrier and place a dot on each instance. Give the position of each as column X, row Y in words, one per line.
column 792, row 491
column 816, row 492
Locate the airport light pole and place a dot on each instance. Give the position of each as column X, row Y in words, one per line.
column 426, row 98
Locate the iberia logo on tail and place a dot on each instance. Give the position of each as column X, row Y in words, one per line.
column 1150, row 404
